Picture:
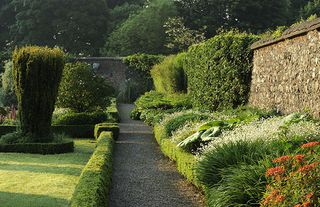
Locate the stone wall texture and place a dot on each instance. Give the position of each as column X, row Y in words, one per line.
column 112, row 69
column 286, row 75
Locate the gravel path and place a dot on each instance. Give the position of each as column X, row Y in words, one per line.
column 142, row 176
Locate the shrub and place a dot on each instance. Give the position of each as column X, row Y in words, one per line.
column 82, row 90
column 138, row 75
column 209, row 169
column 219, row 70
column 16, row 142
column 242, row 185
column 99, row 128
column 178, row 121
column 95, row 180
column 168, row 76
column 73, row 118
column 37, row 73
column 294, row 181
column 8, row 96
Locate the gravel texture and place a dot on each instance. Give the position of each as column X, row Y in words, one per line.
column 142, row 176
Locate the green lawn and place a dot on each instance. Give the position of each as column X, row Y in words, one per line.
column 28, row 180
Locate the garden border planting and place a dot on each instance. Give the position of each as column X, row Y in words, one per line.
column 95, row 180
column 185, row 161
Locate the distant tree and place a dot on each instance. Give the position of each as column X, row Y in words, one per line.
column 295, row 9
column 120, row 14
column 114, row 3
column 8, row 96
column 245, row 15
column 180, row 37
column 142, row 32
column 311, row 8
column 77, row 26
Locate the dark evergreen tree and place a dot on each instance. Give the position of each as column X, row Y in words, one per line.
column 37, row 73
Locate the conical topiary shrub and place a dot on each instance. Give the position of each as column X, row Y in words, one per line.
column 37, row 73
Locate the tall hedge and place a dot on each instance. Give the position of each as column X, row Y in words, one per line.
column 169, row 76
column 37, row 73
column 219, row 70
column 138, row 75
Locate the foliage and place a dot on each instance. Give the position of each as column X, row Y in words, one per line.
column 176, row 122
column 8, row 96
column 84, row 118
column 142, row 32
column 209, row 168
column 77, row 26
column 245, row 15
column 138, row 75
column 169, row 76
column 114, row 128
column 153, row 101
column 37, row 73
column 121, row 13
column 82, row 90
column 185, row 161
column 295, row 179
column 241, row 185
column 95, row 180
column 311, row 8
column 219, row 70
column 180, row 37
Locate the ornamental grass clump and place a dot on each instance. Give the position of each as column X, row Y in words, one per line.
column 37, row 73
column 295, row 179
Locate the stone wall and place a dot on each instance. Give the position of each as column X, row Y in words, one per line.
column 286, row 73
column 112, row 69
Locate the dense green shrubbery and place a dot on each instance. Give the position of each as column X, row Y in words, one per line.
column 138, row 75
column 8, row 96
column 153, row 103
column 94, row 184
column 37, row 73
column 73, row 118
column 114, row 128
column 179, row 121
column 169, row 76
column 82, row 90
column 219, row 70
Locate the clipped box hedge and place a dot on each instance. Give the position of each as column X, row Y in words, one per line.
column 114, row 128
column 95, row 180
column 185, row 161
column 74, row 131
column 39, row 148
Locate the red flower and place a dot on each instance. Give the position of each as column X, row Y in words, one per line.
column 282, row 159
column 308, row 168
column 309, row 196
column 275, row 171
column 306, row 204
column 299, row 158
column 280, row 198
column 298, row 205
column 310, row 144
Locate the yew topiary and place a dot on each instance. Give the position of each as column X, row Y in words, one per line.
column 37, row 73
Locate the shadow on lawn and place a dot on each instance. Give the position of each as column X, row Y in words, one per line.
column 41, row 169
column 28, row 200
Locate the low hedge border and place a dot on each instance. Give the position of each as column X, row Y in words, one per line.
column 114, row 128
column 95, row 180
column 113, row 112
column 39, row 148
column 74, row 131
column 185, row 161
